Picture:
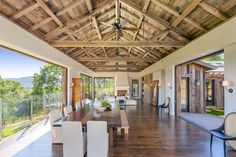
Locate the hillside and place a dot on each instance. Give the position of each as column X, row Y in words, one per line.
column 25, row 81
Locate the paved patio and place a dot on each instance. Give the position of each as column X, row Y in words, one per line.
column 203, row 120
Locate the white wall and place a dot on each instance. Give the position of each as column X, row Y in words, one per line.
column 230, row 75
column 217, row 39
column 14, row 37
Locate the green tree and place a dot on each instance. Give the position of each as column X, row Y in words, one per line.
column 215, row 58
column 48, row 80
column 11, row 93
column 46, row 83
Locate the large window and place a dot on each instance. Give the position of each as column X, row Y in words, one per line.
column 87, row 81
column 29, row 89
column 104, row 86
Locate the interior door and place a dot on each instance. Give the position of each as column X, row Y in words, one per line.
column 135, row 88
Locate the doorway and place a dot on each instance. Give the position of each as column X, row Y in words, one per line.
column 155, row 97
column 135, row 88
column 184, row 94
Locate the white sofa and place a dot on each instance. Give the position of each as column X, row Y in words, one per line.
column 131, row 102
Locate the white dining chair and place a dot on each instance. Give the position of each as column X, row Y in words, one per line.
column 67, row 110
column 55, row 130
column 77, row 106
column 74, row 139
column 97, row 136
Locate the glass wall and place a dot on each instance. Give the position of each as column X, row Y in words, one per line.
column 29, row 90
column 87, row 80
column 104, row 86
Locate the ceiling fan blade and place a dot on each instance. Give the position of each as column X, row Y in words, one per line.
column 107, row 24
column 124, row 22
column 129, row 29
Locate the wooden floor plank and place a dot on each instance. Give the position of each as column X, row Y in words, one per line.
column 149, row 136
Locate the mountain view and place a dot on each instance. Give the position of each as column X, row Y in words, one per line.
column 25, row 81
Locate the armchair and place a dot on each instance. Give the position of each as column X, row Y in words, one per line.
column 226, row 132
column 164, row 105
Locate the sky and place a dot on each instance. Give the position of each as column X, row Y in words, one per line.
column 15, row 65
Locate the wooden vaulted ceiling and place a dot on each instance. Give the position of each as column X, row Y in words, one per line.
column 76, row 28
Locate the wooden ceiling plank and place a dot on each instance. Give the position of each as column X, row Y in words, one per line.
column 24, row 10
column 115, row 59
column 87, row 16
column 118, row 44
column 49, row 12
column 40, row 24
column 145, row 7
column 115, row 70
column 175, row 13
column 212, row 10
column 95, row 23
column 158, row 20
column 186, row 12
column 69, row 7
column 117, row 66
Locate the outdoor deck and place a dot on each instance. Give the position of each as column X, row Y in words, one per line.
column 149, row 135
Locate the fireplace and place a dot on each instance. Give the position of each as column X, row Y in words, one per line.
column 121, row 92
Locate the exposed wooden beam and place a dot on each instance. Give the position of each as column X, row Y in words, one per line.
column 186, row 12
column 61, row 27
column 118, row 44
column 145, row 7
column 24, row 10
column 49, row 12
column 116, row 59
column 115, row 70
column 212, row 10
column 177, row 14
column 95, row 23
column 117, row 66
column 89, row 5
column 87, row 16
column 40, row 24
column 58, row 13
column 162, row 23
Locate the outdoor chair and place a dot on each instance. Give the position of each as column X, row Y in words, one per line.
column 74, row 139
column 97, row 145
column 165, row 105
column 226, row 132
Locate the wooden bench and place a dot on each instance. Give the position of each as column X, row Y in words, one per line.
column 124, row 122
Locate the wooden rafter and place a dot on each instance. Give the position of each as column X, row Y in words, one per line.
column 145, row 7
column 175, row 13
column 162, row 23
column 186, row 12
column 54, row 17
column 116, row 59
column 117, row 66
column 212, row 10
column 69, row 7
column 118, row 44
column 24, row 11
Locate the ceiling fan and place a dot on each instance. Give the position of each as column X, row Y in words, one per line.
column 119, row 25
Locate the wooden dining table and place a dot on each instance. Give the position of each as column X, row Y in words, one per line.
column 89, row 113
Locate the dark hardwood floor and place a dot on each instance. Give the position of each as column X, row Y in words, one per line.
column 149, row 136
